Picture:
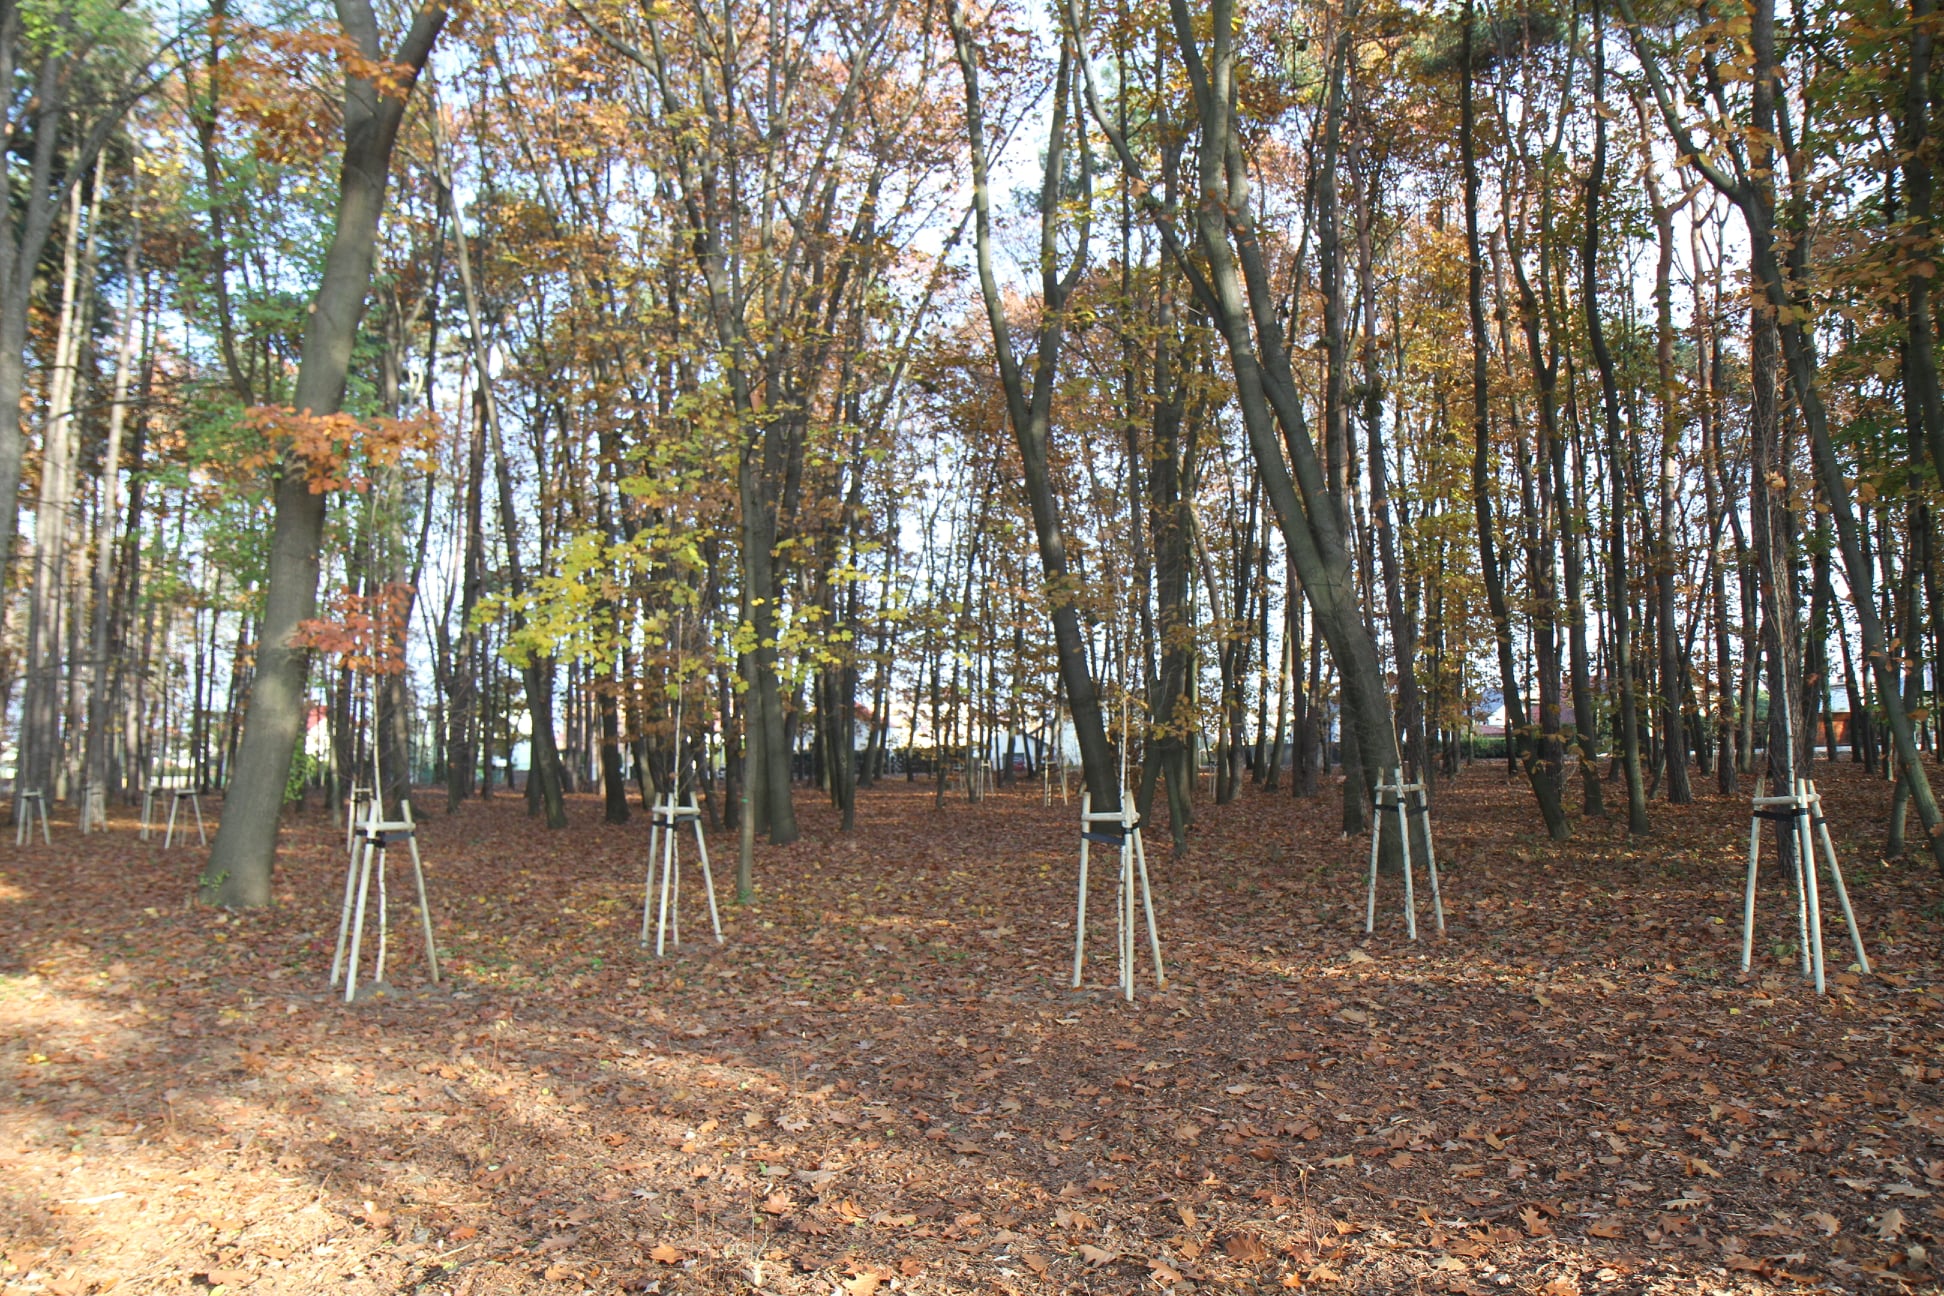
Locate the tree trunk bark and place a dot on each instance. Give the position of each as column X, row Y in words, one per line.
column 244, row 852
column 1030, row 413
column 1627, row 717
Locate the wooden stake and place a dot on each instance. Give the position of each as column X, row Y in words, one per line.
column 1801, row 809
column 665, row 872
column 1392, row 783
column 27, row 805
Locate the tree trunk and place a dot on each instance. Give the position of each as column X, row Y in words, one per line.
column 245, row 848
column 40, row 703
column 1030, row 413
column 1627, row 718
column 1235, row 288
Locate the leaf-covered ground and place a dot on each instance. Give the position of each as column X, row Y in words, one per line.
column 883, row 1083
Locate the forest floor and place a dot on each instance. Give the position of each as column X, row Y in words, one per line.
column 882, row 1082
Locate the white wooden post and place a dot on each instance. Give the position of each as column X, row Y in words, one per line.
column 374, row 837
column 176, row 797
column 29, row 804
column 1821, row 826
column 1080, row 910
column 1133, row 896
column 1801, row 810
column 1391, row 783
column 663, row 911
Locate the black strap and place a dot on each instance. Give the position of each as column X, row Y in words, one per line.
column 1105, row 838
column 1783, row 816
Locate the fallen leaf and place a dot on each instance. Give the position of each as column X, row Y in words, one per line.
column 1609, row 1227
column 1891, row 1225
column 665, row 1254
column 1095, row 1256
column 1163, row 1272
column 1246, row 1248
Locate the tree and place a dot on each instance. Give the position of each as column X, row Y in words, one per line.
column 375, row 97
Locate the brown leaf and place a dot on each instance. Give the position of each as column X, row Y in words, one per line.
column 1246, row 1248
column 1163, row 1272
column 1609, row 1227
column 1535, row 1223
column 1095, row 1256
column 665, row 1254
